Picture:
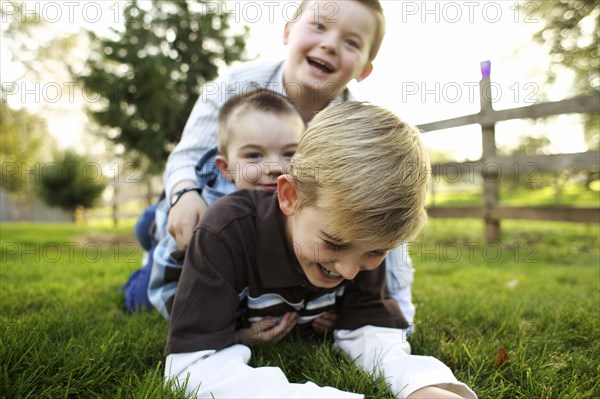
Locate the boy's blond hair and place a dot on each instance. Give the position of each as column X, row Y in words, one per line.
column 376, row 10
column 260, row 99
column 367, row 170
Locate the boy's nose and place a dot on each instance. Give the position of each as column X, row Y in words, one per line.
column 273, row 167
column 329, row 43
column 348, row 268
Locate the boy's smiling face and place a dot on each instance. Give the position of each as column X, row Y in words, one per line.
column 325, row 260
column 260, row 148
column 329, row 45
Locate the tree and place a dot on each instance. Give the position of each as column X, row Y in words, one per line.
column 149, row 75
column 71, row 182
column 35, row 52
column 22, row 137
column 572, row 35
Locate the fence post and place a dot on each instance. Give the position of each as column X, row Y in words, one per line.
column 491, row 173
column 115, row 205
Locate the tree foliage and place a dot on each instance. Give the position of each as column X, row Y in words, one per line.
column 22, row 137
column 34, row 54
column 71, row 182
column 572, row 34
column 149, row 75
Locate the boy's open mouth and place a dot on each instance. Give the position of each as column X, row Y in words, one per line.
column 320, row 64
column 328, row 273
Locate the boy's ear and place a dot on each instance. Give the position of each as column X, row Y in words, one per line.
column 286, row 33
column 223, row 167
column 365, row 73
column 287, row 194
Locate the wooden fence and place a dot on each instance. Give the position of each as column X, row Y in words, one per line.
column 126, row 202
column 128, row 205
column 490, row 164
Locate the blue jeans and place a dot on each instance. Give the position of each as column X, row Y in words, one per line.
column 136, row 287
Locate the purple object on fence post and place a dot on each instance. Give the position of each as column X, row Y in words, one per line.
column 486, row 69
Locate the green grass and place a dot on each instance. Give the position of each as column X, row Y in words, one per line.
column 536, row 295
column 64, row 333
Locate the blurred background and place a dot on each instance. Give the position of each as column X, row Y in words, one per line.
column 95, row 95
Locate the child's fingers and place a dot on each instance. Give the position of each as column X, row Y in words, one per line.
column 273, row 329
column 256, row 332
column 283, row 327
column 265, row 324
column 329, row 316
column 267, row 330
column 325, row 322
column 322, row 326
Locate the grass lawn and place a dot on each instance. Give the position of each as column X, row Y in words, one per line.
column 535, row 297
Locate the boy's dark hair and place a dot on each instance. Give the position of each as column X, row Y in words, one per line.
column 259, row 99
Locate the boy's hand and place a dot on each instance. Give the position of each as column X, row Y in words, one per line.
column 184, row 217
column 271, row 329
column 325, row 322
column 433, row 392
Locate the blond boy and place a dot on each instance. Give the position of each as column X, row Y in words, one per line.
column 315, row 246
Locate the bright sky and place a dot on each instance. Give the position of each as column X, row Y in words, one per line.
column 426, row 70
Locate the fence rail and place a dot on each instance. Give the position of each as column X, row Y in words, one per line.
column 490, row 166
column 520, row 164
column 578, row 105
column 550, row 213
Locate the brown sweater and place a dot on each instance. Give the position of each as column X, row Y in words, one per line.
column 239, row 267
